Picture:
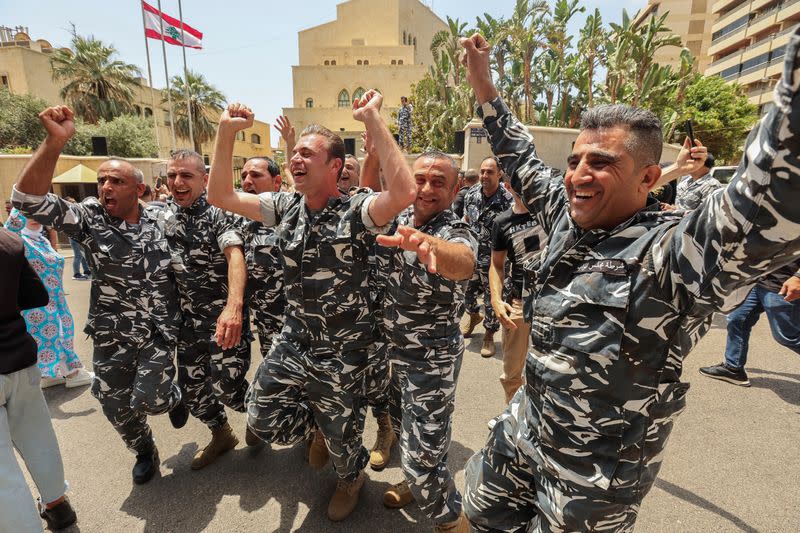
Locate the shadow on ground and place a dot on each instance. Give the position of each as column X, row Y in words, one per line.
column 57, row 396
column 694, row 499
column 785, row 386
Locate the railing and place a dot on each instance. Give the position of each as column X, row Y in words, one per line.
column 729, row 33
column 766, row 14
column 726, row 57
column 733, row 14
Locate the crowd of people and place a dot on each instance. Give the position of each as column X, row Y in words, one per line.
column 356, row 282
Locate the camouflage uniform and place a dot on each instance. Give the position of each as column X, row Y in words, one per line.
column 315, row 373
column 613, row 314
column 378, row 370
column 404, row 125
column 423, row 311
column 691, row 192
column 209, row 376
column 480, row 213
column 264, row 280
column 134, row 314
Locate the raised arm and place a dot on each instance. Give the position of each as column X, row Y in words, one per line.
column 400, row 189
column 687, row 162
column 371, row 167
column 37, row 175
column 285, row 128
column 220, row 180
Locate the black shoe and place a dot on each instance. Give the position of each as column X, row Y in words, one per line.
column 251, row 439
column 722, row 372
column 59, row 517
column 146, row 466
column 179, row 415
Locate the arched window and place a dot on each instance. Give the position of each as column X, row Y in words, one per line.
column 333, row 62
column 415, row 41
column 404, row 38
column 394, row 61
column 359, row 62
column 138, row 110
column 255, row 138
column 240, row 135
column 366, row 61
column 148, row 113
column 358, row 93
column 399, row 61
column 327, row 62
column 344, row 99
column 309, row 102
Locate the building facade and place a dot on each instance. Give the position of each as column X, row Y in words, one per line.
column 691, row 20
column 748, row 43
column 25, row 69
column 371, row 45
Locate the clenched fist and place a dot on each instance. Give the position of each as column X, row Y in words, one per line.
column 236, row 117
column 370, row 102
column 59, row 122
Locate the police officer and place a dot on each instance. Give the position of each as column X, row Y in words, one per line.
column 619, row 297
column 315, row 371
column 134, row 316
column 213, row 354
column 404, row 123
column 428, row 272
column 482, row 203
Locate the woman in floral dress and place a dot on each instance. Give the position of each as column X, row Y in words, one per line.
column 52, row 325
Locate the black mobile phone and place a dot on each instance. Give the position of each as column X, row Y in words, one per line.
column 690, row 131
column 158, row 183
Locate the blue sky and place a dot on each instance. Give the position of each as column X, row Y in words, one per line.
column 249, row 45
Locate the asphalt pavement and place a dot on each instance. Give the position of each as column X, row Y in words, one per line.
column 732, row 463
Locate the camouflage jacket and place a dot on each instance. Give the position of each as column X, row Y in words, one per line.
column 691, row 192
column 133, row 294
column 480, row 213
column 326, row 269
column 264, row 270
column 197, row 236
column 423, row 310
column 614, row 313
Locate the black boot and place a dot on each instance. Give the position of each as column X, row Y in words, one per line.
column 146, row 466
column 59, row 517
column 179, row 415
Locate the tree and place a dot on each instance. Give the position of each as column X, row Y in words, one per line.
column 447, row 43
column 206, row 102
column 127, row 136
column 20, row 129
column 97, row 85
column 721, row 113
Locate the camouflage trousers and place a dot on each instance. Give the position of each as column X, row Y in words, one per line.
column 211, row 377
column 507, row 491
column 423, row 391
column 377, row 379
column 405, row 134
column 267, row 326
column 479, row 286
column 133, row 380
column 296, row 389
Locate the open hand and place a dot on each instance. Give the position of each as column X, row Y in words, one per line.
column 285, row 128
column 412, row 240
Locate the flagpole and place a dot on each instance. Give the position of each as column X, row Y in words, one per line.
column 186, row 76
column 166, row 73
column 150, row 81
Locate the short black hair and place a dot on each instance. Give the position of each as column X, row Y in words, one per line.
column 272, row 166
column 183, row 153
column 645, row 140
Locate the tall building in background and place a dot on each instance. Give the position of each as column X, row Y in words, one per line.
column 749, row 41
column 691, row 20
column 25, row 69
column 381, row 45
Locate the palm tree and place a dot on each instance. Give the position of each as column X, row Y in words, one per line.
column 206, row 103
column 525, row 30
column 98, row 86
column 448, row 42
column 591, row 47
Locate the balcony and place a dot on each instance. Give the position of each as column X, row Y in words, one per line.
column 730, row 16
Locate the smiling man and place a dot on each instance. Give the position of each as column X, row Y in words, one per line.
column 618, row 298
column 351, row 174
column 134, row 315
column 213, row 350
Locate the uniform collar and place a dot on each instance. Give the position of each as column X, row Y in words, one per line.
column 199, row 206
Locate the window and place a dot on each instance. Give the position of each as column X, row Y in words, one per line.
column 206, row 160
column 415, row 42
column 333, row 62
column 148, row 113
column 4, row 79
column 137, row 110
column 240, row 135
column 730, row 28
column 359, row 62
column 327, row 62
column 167, row 121
column 394, row 61
column 399, row 61
column 366, row 61
column 344, row 99
column 309, row 102
column 696, row 26
column 255, row 138
column 404, row 38
column 358, row 93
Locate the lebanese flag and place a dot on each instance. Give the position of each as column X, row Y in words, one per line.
column 190, row 37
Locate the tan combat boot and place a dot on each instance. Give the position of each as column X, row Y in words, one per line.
column 222, row 440
column 345, row 497
column 317, row 453
column 474, row 320
column 487, row 349
column 459, row 525
column 398, row 496
column 382, row 451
